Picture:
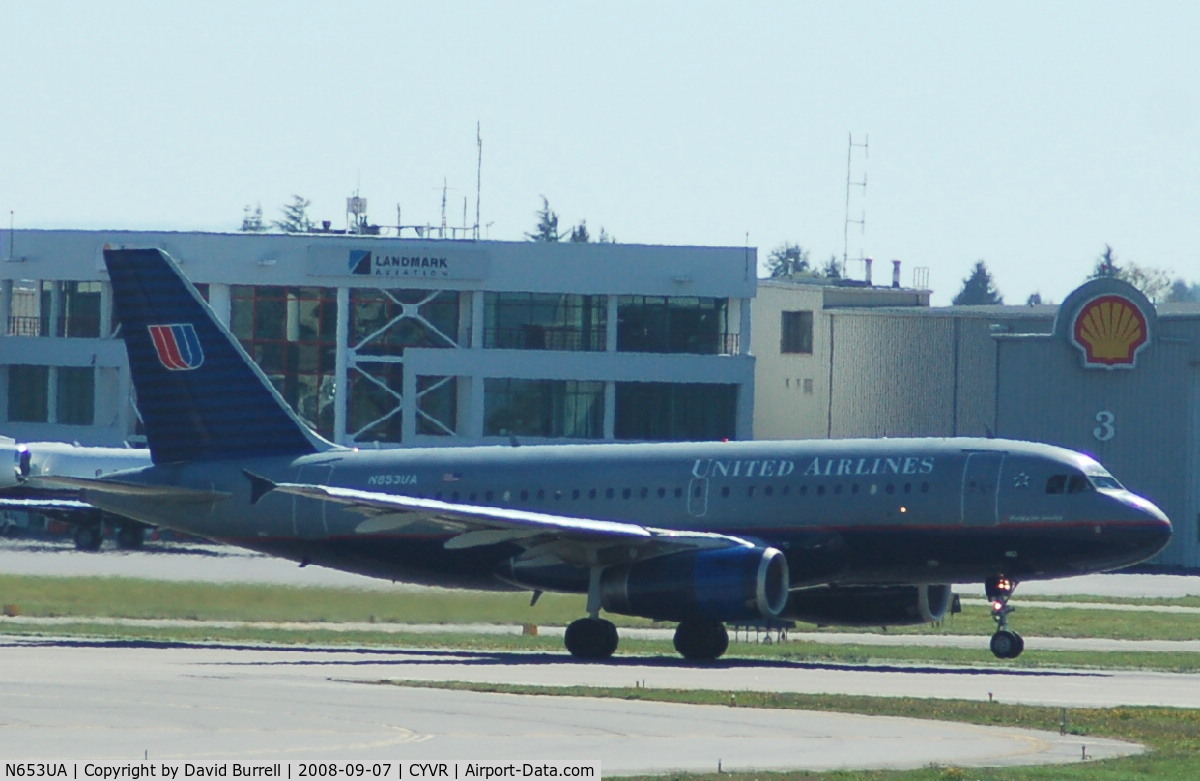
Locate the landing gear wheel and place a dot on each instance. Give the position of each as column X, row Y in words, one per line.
column 130, row 537
column 1007, row 644
column 701, row 641
column 591, row 638
column 88, row 538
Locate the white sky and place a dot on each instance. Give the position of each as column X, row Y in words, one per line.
column 1026, row 134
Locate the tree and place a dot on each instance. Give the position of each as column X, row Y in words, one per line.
column 1182, row 292
column 547, row 227
column 1155, row 283
column 295, row 216
column 832, row 269
column 978, row 288
column 579, row 234
column 787, row 259
column 252, row 219
column 1106, row 265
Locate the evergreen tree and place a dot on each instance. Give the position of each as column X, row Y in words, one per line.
column 295, row 216
column 787, row 259
column 547, row 227
column 1106, row 264
column 579, row 234
column 978, row 288
column 252, row 219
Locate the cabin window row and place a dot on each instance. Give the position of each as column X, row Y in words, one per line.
column 677, row 492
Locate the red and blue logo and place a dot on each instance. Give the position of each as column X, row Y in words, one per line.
column 177, row 346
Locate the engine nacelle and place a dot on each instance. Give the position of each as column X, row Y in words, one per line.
column 871, row 605
column 14, row 464
column 731, row 584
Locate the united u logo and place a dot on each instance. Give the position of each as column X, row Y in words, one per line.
column 177, row 346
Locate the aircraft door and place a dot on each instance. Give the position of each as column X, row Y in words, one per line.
column 981, row 488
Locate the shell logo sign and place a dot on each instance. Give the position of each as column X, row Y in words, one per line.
column 1110, row 330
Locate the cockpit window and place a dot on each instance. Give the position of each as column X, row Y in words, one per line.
column 1071, row 484
column 1077, row 484
column 1107, row 482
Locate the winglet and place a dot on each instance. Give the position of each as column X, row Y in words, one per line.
column 259, row 486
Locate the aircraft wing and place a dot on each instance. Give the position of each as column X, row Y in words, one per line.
column 99, row 487
column 571, row 540
column 34, row 505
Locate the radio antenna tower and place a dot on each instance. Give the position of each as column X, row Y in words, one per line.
column 478, row 175
column 862, row 220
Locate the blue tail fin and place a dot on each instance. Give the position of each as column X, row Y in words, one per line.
column 200, row 395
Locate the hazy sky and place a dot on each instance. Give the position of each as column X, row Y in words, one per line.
column 1026, row 134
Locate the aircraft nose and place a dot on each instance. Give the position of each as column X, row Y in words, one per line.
column 1154, row 527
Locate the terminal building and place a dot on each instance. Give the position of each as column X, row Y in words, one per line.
column 401, row 342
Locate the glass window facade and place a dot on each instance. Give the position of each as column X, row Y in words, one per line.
column 571, row 409
column 661, row 324
column 28, row 393
column 664, row 411
column 796, row 332
column 291, row 333
column 386, row 322
column 76, row 395
column 544, row 321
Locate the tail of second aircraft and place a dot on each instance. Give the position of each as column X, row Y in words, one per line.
column 199, row 394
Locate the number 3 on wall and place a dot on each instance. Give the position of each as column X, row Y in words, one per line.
column 1106, row 430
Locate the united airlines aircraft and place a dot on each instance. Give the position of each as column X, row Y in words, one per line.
column 859, row 532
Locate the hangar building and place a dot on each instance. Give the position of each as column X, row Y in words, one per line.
column 1105, row 372
column 388, row 341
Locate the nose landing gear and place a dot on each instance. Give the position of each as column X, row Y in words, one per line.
column 1005, row 644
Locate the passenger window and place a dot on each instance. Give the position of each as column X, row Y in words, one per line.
column 644, row 492
column 575, row 493
column 626, row 493
column 820, row 490
column 724, row 491
column 524, row 495
column 592, row 493
column 1057, row 484
column 609, row 493
column 541, row 494
column 769, row 490
column 750, row 491
column 662, row 492
column 678, row 493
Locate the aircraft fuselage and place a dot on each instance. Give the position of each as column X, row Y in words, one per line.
column 847, row 512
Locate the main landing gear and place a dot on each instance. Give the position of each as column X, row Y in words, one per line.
column 1006, row 644
column 595, row 639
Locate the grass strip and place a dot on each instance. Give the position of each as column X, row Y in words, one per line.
column 795, row 652
column 1171, row 734
column 110, row 597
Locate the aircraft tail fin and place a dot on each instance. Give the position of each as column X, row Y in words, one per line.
column 200, row 395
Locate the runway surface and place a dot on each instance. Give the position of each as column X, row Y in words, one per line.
column 94, row 700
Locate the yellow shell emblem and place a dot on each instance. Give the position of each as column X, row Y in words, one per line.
column 1110, row 330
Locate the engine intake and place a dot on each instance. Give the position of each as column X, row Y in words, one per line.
column 872, row 605
column 732, row 584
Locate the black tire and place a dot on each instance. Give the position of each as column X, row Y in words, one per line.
column 593, row 639
column 89, row 537
column 130, row 536
column 1007, row 645
column 701, row 641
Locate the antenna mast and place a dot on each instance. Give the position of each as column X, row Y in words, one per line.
column 478, row 176
column 862, row 221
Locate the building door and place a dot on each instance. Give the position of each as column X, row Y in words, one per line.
column 981, row 488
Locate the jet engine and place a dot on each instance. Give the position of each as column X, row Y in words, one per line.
column 15, row 460
column 871, row 605
column 731, row 584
